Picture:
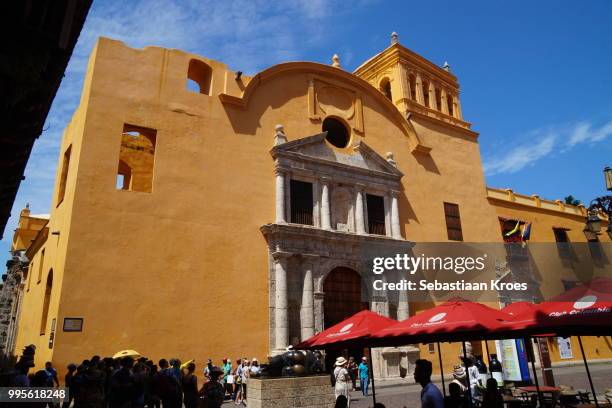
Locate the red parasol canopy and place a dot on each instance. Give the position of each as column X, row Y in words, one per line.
column 584, row 310
column 517, row 308
column 601, row 288
column 357, row 327
column 450, row 321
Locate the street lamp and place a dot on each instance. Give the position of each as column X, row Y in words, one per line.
column 608, row 177
column 599, row 205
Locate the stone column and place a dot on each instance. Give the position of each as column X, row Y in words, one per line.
column 433, row 103
column 281, row 304
column 307, row 309
column 395, row 222
column 280, row 196
column 319, row 298
column 403, row 310
column 458, row 114
column 359, row 215
column 325, row 210
column 419, row 90
column 444, row 107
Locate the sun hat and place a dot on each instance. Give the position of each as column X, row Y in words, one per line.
column 340, row 361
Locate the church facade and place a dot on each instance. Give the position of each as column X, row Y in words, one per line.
column 199, row 212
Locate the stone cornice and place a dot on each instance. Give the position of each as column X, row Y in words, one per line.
column 450, row 122
column 558, row 207
column 310, row 232
column 289, row 150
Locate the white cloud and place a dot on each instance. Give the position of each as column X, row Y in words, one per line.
column 520, row 156
column 544, row 142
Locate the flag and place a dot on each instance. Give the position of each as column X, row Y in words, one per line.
column 514, row 230
column 526, row 234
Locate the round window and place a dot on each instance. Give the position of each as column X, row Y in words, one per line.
column 337, row 133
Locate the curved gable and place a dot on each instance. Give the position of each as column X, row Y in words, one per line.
column 319, row 73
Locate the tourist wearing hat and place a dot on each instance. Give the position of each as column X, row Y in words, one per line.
column 212, row 392
column 255, row 369
column 343, row 379
column 459, row 377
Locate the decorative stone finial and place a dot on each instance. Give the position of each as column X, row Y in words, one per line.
column 390, row 159
column 446, row 67
column 279, row 135
column 394, row 38
column 336, row 61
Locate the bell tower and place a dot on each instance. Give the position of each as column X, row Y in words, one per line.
column 414, row 84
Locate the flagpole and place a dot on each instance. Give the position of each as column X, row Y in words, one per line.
column 469, row 389
column 586, row 365
column 372, row 372
column 527, row 340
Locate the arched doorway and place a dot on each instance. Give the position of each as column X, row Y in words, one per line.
column 343, row 298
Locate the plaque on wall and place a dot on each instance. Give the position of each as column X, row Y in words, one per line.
column 73, row 324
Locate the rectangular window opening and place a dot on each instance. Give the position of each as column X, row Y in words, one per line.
column 376, row 214
column 453, row 222
column 301, row 202
column 64, row 175
column 136, row 159
column 564, row 247
column 40, row 265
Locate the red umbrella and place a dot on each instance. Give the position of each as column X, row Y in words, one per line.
column 583, row 310
column 357, row 327
column 601, row 288
column 450, row 321
column 586, row 316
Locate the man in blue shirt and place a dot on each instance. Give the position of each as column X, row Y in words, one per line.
column 431, row 397
column 364, row 375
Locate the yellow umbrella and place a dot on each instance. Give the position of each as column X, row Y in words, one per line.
column 127, row 353
column 184, row 365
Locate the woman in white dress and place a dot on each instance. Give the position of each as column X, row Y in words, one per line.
column 343, row 380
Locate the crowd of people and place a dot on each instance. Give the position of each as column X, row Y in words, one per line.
column 130, row 382
column 138, row 382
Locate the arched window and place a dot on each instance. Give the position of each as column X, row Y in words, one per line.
column 337, row 133
column 385, row 87
column 46, row 301
column 426, row 93
column 199, row 77
column 412, row 80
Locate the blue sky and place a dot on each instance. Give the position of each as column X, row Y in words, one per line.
column 535, row 75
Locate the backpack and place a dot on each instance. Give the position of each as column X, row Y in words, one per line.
column 332, row 378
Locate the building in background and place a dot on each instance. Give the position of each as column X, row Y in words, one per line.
column 187, row 222
column 39, row 38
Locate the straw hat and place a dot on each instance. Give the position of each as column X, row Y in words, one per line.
column 340, row 361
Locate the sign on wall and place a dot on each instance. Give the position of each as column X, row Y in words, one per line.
column 73, row 324
column 565, row 347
